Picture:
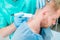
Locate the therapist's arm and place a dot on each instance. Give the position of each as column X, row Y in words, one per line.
column 8, row 30
column 11, row 28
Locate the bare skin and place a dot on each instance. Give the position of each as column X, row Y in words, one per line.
column 7, row 31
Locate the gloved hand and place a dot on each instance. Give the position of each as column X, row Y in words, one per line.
column 19, row 19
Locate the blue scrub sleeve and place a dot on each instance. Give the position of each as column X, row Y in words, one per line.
column 23, row 32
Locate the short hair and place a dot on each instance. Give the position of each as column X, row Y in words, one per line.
column 57, row 3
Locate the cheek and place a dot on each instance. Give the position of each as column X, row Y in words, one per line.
column 46, row 23
column 49, row 22
column 43, row 23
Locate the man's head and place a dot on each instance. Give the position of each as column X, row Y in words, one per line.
column 51, row 20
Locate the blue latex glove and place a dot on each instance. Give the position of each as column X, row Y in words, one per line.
column 19, row 19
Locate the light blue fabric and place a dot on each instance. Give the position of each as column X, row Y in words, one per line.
column 46, row 33
column 56, row 35
column 41, row 4
column 23, row 32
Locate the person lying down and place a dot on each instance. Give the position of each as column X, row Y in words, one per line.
column 30, row 28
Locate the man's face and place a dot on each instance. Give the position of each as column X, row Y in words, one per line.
column 51, row 20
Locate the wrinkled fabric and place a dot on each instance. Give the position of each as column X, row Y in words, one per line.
column 23, row 32
column 5, row 18
column 40, row 4
column 46, row 33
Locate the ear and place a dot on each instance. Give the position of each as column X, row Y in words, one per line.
column 58, row 11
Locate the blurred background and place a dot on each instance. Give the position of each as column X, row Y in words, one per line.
column 57, row 26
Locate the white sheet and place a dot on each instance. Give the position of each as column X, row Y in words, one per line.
column 56, row 35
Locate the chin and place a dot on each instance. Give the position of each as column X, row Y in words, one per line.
column 46, row 26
